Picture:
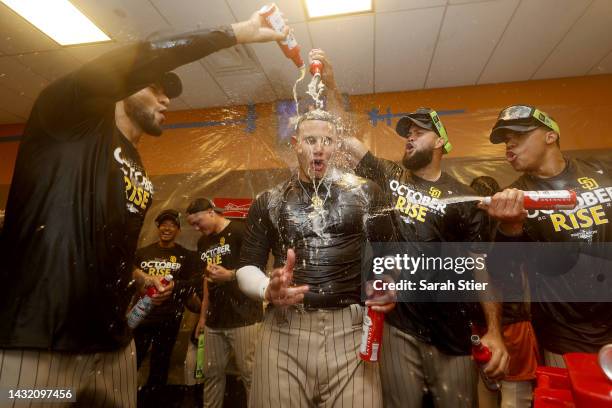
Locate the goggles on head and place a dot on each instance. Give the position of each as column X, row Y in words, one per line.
column 528, row 113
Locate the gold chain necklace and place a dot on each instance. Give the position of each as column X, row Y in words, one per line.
column 315, row 200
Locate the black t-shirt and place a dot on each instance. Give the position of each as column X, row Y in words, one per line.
column 572, row 327
column 182, row 264
column 77, row 201
column 327, row 242
column 420, row 216
column 228, row 307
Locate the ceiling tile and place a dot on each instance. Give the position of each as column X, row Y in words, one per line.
column 244, row 89
column 18, row 36
column 15, row 103
column 398, row 5
column 589, row 40
column 453, row 2
column 199, row 88
column 604, row 66
column 349, row 42
column 530, row 37
column 469, row 34
column 291, row 9
column 125, row 20
column 194, row 14
column 404, row 45
column 178, row 104
column 20, row 78
column 50, row 64
column 85, row 53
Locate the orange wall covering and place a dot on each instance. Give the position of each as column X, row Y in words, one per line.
column 581, row 106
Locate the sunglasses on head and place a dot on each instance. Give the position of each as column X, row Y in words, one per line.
column 528, row 113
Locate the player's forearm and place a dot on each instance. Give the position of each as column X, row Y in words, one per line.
column 252, row 282
column 493, row 313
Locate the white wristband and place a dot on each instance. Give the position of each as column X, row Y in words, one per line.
column 252, row 281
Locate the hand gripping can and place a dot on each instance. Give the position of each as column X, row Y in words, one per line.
column 482, row 355
column 371, row 337
column 316, row 67
column 289, row 46
column 144, row 305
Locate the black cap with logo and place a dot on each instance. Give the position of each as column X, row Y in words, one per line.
column 168, row 214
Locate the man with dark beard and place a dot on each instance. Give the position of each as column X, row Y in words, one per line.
column 75, row 209
column 426, row 345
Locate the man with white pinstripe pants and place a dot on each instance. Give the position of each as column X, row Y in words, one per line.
column 315, row 224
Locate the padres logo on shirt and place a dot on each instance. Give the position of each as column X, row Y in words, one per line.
column 588, row 183
column 415, row 205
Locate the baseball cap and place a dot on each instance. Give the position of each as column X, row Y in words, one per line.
column 202, row 204
column 425, row 118
column 172, row 85
column 521, row 118
column 168, row 214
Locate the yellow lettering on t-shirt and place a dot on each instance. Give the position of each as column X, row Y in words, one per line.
column 583, row 218
column 558, row 221
column 599, row 215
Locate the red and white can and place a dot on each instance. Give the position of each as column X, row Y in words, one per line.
column 482, row 355
column 145, row 304
column 550, row 200
column 371, row 337
column 547, row 200
column 316, row 67
column 274, row 19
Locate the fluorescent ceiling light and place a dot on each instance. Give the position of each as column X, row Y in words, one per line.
column 59, row 19
column 326, row 8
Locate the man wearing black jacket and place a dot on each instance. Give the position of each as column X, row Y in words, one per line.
column 76, row 205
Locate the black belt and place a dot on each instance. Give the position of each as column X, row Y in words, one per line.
column 314, row 301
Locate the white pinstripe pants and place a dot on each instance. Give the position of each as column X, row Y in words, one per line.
column 310, row 359
column 409, row 367
column 219, row 345
column 105, row 379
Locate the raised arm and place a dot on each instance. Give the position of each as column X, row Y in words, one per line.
column 97, row 85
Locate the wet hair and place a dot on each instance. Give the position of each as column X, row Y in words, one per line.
column 485, row 185
column 319, row 114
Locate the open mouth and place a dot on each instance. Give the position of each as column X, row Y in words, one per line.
column 318, row 165
column 510, row 156
column 409, row 147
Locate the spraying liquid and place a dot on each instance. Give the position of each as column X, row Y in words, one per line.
column 316, row 88
column 295, row 98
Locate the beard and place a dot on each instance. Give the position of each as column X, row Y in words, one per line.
column 143, row 118
column 418, row 160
